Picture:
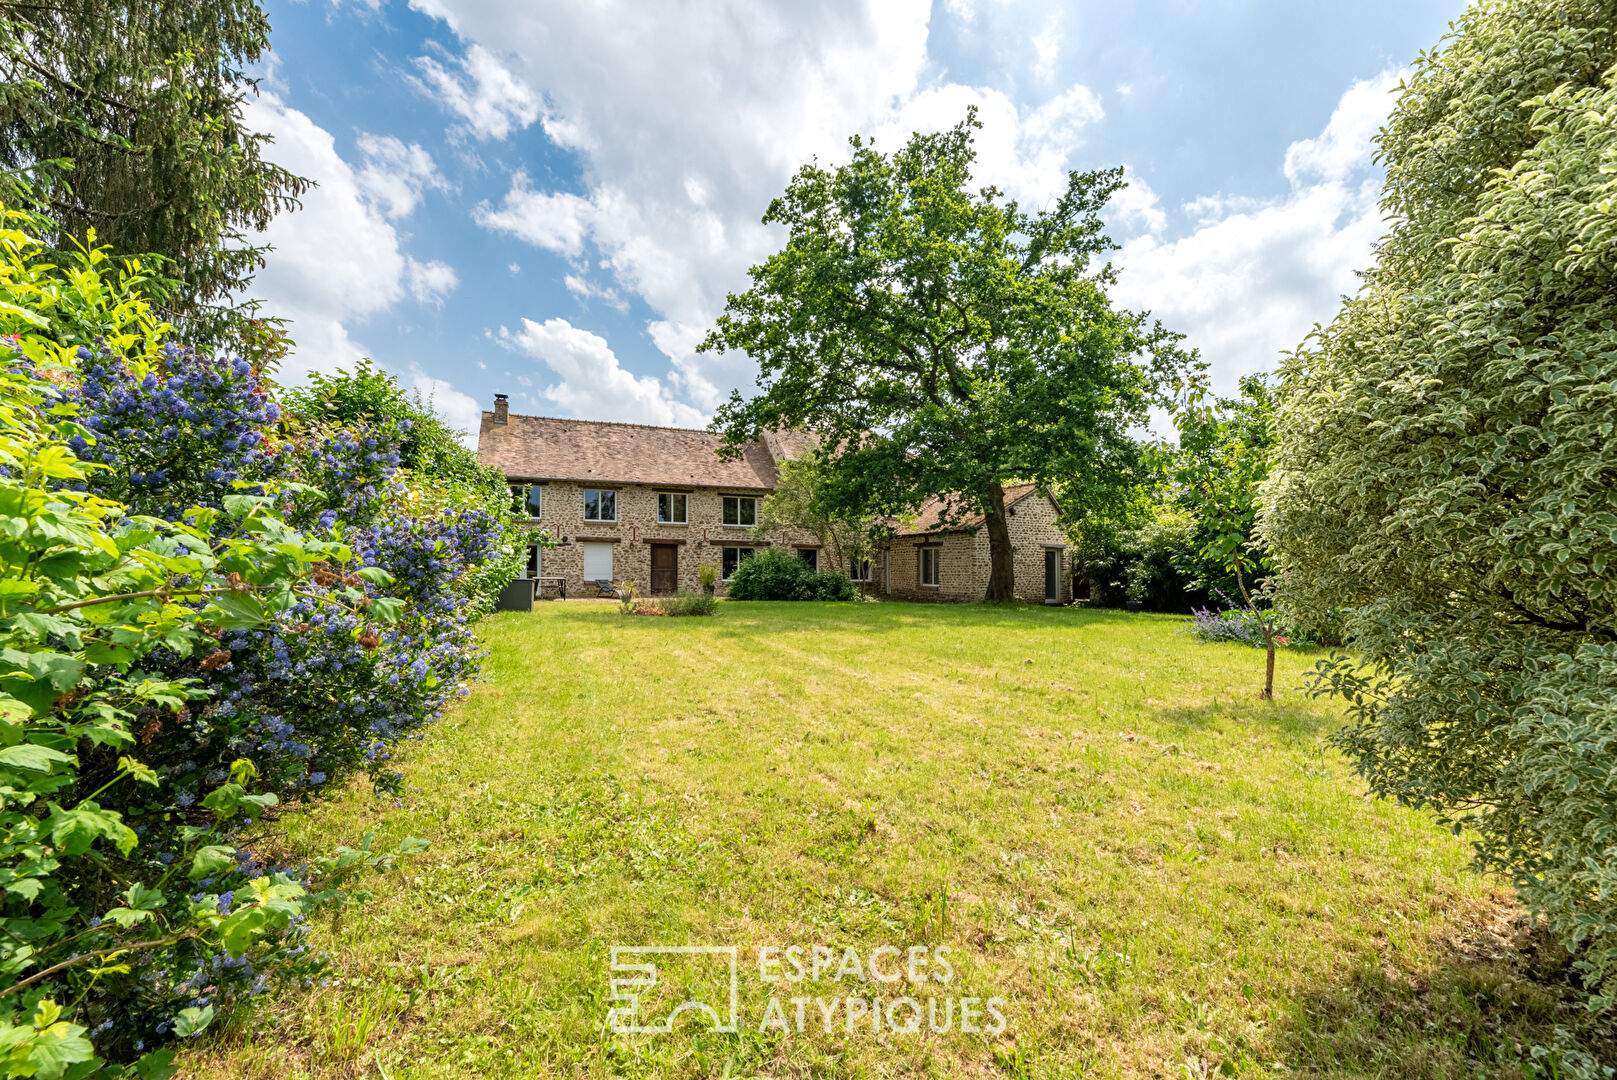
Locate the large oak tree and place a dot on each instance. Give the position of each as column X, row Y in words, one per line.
column 942, row 341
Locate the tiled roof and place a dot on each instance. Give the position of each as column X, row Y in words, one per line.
column 929, row 518
column 787, row 444
column 546, row 448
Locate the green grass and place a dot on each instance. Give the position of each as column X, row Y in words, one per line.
column 1160, row 874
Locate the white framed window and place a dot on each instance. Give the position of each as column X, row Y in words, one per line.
column 929, row 566
column 673, row 508
column 518, row 494
column 860, row 570
column 740, row 510
column 600, row 504
column 730, row 558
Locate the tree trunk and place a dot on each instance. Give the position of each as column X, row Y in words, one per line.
column 1001, row 569
column 1269, row 672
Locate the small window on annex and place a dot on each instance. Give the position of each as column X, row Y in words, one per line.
column 929, row 566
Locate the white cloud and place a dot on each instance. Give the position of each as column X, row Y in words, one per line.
column 1046, row 48
column 556, row 222
column 458, row 410
column 585, row 289
column 337, row 261
column 685, row 128
column 1137, row 207
column 592, row 383
column 395, row 174
column 1254, row 275
column 484, row 93
column 430, row 281
column 1347, row 141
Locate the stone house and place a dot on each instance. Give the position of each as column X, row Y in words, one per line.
column 652, row 505
column 929, row 559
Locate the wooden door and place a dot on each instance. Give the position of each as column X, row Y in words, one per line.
column 664, row 569
column 1052, row 575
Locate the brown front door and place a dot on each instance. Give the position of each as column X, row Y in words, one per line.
column 664, row 569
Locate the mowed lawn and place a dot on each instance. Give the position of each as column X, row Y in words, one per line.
column 1158, row 873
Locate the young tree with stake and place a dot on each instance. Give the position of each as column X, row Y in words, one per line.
column 1223, row 458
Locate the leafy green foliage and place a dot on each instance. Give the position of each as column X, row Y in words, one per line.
column 125, row 902
column 1446, row 471
column 1223, row 457
column 1215, row 474
column 365, row 394
column 1143, row 558
column 776, row 575
column 805, row 499
column 128, row 117
column 940, row 340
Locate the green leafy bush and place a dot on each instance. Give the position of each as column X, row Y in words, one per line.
column 106, row 884
column 1446, row 472
column 439, row 475
column 829, row 585
column 776, row 575
column 1144, row 561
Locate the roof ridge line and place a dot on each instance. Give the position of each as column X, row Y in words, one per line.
column 609, row 423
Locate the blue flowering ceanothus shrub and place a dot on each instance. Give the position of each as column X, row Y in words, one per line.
column 353, row 473
column 314, row 692
column 135, row 906
column 318, row 595
column 176, row 429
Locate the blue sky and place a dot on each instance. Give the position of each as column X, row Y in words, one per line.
column 552, row 199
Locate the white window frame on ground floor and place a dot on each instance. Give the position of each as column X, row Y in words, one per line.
column 742, row 554
column 921, row 561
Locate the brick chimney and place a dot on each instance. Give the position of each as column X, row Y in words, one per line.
column 502, row 409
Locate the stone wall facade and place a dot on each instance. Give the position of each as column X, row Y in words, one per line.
column 701, row 540
column 895, row 570
column 963, row 561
